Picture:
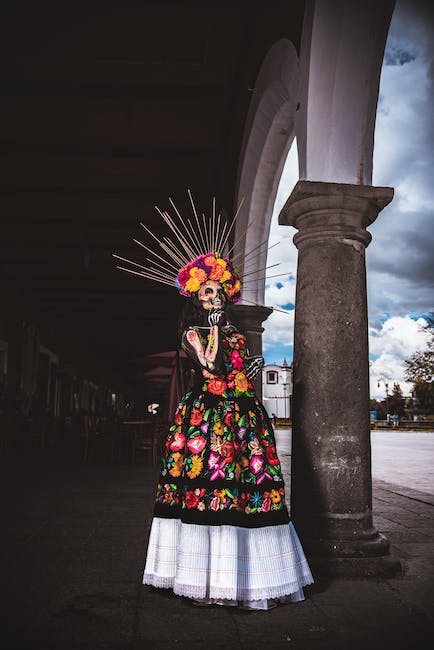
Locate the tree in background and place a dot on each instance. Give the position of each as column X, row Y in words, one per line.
column 420, row 372
column 397, row 400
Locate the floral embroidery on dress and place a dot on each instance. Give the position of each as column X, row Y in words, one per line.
column 249, row 502
column 220, row 453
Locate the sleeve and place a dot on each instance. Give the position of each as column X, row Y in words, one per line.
column 207, row 354
column 252, row 363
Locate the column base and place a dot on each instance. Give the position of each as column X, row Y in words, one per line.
column 362, row 558
column 366, row 544
column 386, row 566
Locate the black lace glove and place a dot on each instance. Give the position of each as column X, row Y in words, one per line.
column 215, row 317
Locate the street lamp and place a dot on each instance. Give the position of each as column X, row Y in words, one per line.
column 285, row 385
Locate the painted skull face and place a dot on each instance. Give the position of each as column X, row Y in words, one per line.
column 211, row 295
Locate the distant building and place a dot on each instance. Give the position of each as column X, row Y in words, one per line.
column 277, row 389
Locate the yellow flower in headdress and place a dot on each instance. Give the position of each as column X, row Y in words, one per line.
column 192, row 285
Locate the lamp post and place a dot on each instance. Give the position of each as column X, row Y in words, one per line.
column 285, row 385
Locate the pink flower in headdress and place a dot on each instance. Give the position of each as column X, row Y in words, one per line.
column 183, row 276
column 209, row 267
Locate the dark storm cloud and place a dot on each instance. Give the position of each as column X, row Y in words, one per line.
column 398, row 56
column 400, row 259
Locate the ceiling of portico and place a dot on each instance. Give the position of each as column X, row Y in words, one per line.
column 105, row 113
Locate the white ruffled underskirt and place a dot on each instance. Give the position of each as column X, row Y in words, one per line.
column 227, row 565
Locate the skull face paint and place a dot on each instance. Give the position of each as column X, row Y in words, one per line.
column 211, row 295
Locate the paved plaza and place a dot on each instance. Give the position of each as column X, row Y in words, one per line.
column 405, row 458
column 74, row 549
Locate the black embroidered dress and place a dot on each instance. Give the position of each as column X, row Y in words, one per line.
column 221, row 530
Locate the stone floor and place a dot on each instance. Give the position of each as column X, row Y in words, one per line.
column 73, row 552
column 404, row 457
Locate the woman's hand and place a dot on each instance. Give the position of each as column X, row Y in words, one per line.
column 215, row 317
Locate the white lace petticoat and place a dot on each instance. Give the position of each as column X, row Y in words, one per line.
column 227, row 565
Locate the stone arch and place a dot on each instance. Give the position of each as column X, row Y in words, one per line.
column 268, row 136
column 331, row 207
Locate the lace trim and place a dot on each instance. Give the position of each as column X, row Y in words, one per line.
column 219, row 593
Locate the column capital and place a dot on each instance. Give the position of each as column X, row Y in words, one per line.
column 340, row 211
column 250, row 319
column 252, row 316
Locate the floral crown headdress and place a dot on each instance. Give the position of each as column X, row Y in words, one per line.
column 195, row 257
column 199, row 253
column 209, row 267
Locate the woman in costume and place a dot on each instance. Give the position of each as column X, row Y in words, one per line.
column 221, row 532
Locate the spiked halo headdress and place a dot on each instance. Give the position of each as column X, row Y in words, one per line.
column 200, row 253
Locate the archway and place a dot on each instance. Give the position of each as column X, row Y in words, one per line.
column 341, row 57
column 269, row 133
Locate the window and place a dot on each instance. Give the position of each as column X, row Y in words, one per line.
column 272, row 377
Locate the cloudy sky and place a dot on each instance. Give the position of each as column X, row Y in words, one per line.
column 400, row 259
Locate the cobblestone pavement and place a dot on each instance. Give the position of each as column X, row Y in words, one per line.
column 74, row 549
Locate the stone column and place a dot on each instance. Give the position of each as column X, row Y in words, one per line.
column 331, row 483
column 249, row 319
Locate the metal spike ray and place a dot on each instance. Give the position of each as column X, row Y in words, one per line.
column 266, row 277
column 168, row 219
column 241, row 236
column 219, row 244
column 197, row 252
column 173, row 246
column 206, row 234
column 144, row 275
column 233, row 222
column 136, row 241
column 251, row 251
column 252, row 302
column 192, row 237
column 124, row 259
column 156, row 239
column 264, row 268
column 197, row 219
column 217, row 250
